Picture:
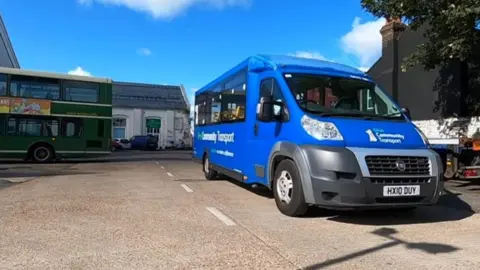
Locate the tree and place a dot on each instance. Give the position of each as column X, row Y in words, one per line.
column 452, row 34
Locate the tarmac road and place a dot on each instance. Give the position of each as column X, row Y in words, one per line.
column 156, row 211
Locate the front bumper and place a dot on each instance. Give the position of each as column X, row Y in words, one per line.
column 339, row 178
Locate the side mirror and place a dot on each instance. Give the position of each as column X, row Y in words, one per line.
column 266, row 110
column 406, row 112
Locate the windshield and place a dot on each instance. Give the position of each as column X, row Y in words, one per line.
column 339, row 96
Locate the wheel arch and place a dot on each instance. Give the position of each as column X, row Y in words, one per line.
column 287, row 150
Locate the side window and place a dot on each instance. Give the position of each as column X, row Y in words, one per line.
column 234, row 98
column 101, row 128
column 3, row 123
column 204, row 109
column 216, row 107
column 33, row 127
column 72, row 127
column 3, row 85
column 81, row 91
column 270, row 87
column 34, row 87
column 51, row 128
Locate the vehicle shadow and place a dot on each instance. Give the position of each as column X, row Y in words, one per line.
column 393, row 241
column 449, row 208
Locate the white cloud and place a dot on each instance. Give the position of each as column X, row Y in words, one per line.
column 144, row 51
column 166, row 9
column 80, row 72
column 364, row 41
column 310, row 55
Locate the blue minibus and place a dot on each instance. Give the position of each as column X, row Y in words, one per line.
column 316, row 133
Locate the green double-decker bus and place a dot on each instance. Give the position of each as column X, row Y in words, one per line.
column 47, row 116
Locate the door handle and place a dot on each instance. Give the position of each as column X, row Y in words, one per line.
column 255, row 129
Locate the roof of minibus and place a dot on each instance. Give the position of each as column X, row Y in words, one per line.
column 283, row 61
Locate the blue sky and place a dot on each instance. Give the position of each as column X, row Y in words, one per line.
column 187, row 42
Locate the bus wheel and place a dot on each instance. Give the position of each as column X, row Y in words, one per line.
column 210, row 174
column 42, row 154
column 287, row 189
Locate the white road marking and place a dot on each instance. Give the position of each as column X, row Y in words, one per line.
column 221, row 216
column 163, row 168
column 157, row 162
column 187, row 188
column 169, row 174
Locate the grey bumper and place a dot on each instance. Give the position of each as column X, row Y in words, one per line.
column 334, row 177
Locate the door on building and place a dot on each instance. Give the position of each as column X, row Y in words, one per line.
column 153, row 127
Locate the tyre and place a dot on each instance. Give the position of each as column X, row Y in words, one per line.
column 288, row 190
column 210, row 174
column 42, row 154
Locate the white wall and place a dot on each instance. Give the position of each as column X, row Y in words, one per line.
column 136, row 120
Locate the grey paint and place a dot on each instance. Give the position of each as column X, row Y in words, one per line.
column 149, row 96
column 7, row 53
column 319, row 163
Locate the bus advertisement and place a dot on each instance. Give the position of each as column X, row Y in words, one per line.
column 316, row 133
column 48, row 116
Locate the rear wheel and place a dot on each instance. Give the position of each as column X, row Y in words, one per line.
column 288, row 190
column 210, row 174
column 42, row 154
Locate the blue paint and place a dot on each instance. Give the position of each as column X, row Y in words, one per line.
column 247, row 148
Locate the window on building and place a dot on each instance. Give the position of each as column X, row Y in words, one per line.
column 72, row 127
column 81, row 91
column 3, row 85
column 270, row 88
column 34, row 87
column 36, row 127
column 119, row 128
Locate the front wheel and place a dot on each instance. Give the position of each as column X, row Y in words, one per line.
column 210, row 174
column 288, row 190
column 42, row 154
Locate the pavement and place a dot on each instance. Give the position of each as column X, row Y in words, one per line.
column 155, row 210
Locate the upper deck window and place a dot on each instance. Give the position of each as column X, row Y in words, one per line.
column 81, row 91
column 3, row 84
column 34, row 87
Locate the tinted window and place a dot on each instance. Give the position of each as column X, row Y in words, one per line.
column 33, row 127
column 81, row 91
column 3, row 85
column 222, row 104
column 101, row 128
column 270, row 88
column 72, row 127
column 32, row 87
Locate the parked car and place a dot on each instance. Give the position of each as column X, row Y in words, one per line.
column 116, row 145
column 144, row 142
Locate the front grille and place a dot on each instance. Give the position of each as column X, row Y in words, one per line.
column 388, row 165
column 403, row 180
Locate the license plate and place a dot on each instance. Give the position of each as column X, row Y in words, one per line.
column 391, row 191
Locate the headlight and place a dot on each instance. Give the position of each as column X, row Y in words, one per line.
column 424, row 138
column 321, row 130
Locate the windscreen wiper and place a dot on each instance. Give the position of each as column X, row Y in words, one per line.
column 363, row 116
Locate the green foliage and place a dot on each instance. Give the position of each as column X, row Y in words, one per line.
column 452, row 34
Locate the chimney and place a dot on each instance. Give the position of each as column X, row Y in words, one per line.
column 392, row 30
column 391, row 33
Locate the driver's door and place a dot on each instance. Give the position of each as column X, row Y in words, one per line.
column 264, row 134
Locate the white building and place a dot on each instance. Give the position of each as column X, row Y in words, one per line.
column 162, row 110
